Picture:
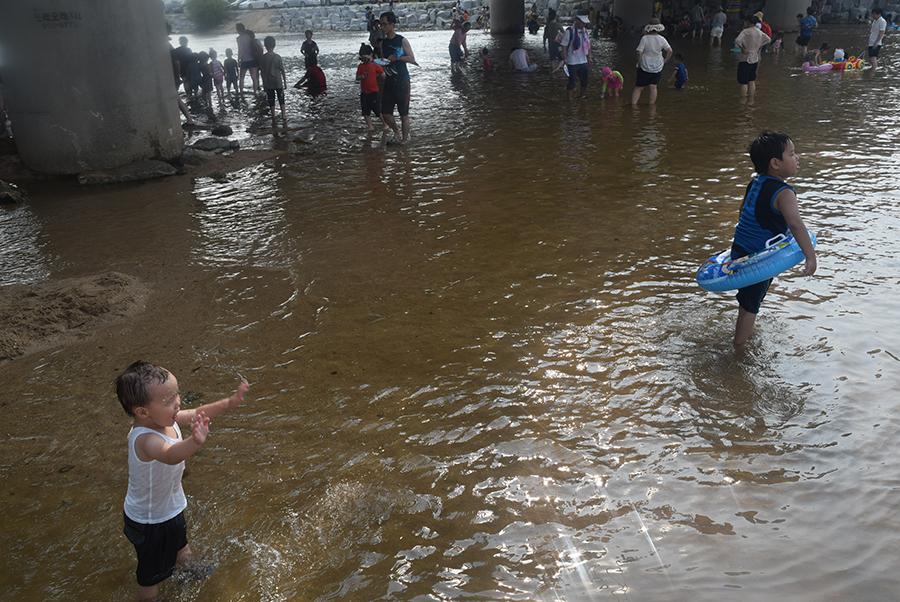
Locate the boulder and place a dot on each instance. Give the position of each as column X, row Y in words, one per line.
column 216, row 144
column 10, row 194
column 192, row 156
column 133, row 172
column 222, row 130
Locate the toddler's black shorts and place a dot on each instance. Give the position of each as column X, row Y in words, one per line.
column 157, row 547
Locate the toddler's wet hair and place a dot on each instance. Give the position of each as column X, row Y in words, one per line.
column 132, row 386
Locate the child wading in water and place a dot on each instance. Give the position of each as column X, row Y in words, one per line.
column 487, row 63
column 271, row 68
column 231, row 71
column 681, row 73
column 218, row 74
column 155, row 502
column 368, row 74
column 769, row 209
column 611, row 82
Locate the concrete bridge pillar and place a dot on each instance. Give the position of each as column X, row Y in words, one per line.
column 782, row 14
column 507, row 17
column 89, row 83
column 635, row 13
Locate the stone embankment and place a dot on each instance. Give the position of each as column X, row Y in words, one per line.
column 338, row 16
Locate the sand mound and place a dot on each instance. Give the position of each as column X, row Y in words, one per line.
column 36, row 316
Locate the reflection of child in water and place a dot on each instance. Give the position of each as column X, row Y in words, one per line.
column 612, row 83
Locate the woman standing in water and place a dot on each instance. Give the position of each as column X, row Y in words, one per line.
column 653, row 53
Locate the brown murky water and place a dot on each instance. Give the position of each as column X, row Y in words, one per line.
column 482, row 369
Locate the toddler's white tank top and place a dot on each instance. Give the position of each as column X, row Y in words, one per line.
column 154, row 489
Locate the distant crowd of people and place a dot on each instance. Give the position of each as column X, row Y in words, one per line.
column 384, row 78
column 569, row 48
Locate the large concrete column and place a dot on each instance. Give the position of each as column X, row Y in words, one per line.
column 635, row 13
column 782, row 14
column 507, row 16
column 88, row 83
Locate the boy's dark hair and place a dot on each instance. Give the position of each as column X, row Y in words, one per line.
column 390, row 17
column 768, row 146
column 877, row 11
column 365, row 50
column 824, row 46
column 132, row 385
column 810, row 11
column 754, row 19
column 269, row 42
column 485, row 51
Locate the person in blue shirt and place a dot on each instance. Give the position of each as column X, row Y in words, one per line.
column 807, row 24
column 681, row 72
column 770, row 208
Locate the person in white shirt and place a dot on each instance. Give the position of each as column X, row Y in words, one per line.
column 576, row 50
column 520, row 61
column 876, row 36
column 717, row 27
column 751, row 41
column 653, row 53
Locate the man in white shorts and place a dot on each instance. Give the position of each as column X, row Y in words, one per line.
column 717, row 27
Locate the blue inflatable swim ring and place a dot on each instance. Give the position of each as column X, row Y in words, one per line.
column 720, row 273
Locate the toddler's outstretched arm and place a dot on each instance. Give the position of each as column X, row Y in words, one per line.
column 150, row 447
column 211, row 410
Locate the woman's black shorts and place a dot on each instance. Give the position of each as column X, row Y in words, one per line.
column 746, row 72
column 644, row 78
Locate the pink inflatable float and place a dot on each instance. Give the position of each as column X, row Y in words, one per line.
column 810, row 68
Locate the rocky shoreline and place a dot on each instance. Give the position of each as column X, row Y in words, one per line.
column 340, row 15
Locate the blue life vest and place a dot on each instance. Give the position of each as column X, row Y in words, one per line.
column 760, row 220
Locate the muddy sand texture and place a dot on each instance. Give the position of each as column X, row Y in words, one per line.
column 37, row 316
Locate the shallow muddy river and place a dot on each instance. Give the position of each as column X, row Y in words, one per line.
column 481, row 367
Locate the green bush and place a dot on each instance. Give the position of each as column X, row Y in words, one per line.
column 206, row 14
